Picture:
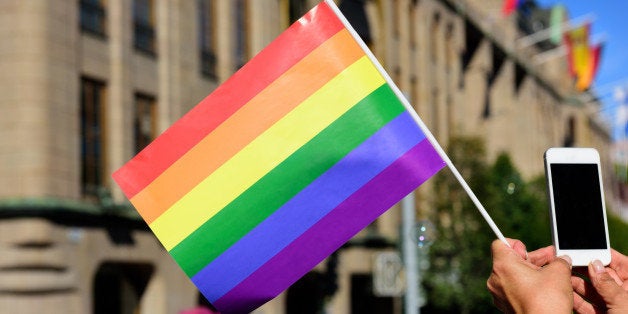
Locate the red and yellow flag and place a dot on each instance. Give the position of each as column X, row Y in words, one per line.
column 582, row 59
column 586, row 79
column 510, row 6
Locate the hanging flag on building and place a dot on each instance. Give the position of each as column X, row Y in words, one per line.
column 558, row 17
column 583, row 59
column 510, row 6
column 299, row 150
column 577, row 42
column 585, row 80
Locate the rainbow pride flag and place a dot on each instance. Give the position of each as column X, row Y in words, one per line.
column 298, row 151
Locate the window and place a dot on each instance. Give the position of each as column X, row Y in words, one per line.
column 414, row 27
column 144, row 25
column 291, row 11
column 449, row 48
column 355, row 12
column 92, row 136
column 297, row 9
column 570, row 135
column 118, row 288
column 207, row 37
column 144, row 121
column 241, row 32
column 435, row 112
column 307, row 294
column 394, row 17
column 93, row 16
column 363, row 300
column 434, row 37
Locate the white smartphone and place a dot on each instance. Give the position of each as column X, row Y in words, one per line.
column 577, row 210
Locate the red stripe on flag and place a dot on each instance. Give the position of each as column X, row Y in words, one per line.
column 285, row 51
column 265, row 109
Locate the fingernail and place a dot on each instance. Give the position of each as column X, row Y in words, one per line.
column 598, row 266
column 566, row 258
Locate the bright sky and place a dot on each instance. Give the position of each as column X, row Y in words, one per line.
column 611, row 25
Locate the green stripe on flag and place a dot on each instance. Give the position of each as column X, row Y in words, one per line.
column 286, row 180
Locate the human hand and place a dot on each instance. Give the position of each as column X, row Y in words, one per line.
column 607, row 291
column 519, row 284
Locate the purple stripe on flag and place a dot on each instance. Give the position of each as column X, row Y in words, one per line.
column 307, row 207
column 327, row 235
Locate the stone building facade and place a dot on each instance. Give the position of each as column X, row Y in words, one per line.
column 85, row 84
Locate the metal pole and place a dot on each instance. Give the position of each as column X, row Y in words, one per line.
column 544, row 34
column 410, row 255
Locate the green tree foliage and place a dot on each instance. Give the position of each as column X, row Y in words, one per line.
column 618, row 233
column 460, row 258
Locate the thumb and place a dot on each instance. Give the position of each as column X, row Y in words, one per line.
column 560, row 265
column 558, row 271
column 604, row 283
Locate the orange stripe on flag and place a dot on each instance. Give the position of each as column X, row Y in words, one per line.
column 285, row 51
column 279, row 98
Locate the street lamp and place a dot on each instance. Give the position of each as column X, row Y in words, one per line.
column 416, row 236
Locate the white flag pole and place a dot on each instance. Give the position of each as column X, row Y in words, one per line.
column 419, row 122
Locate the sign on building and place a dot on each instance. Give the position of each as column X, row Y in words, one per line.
column 388, row 279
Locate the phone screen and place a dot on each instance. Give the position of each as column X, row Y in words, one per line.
column 578, row 203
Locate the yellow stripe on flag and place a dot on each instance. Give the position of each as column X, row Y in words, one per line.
column 266, row 152
column 312, row 72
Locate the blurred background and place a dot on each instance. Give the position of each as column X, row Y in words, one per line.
column 87, row 84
